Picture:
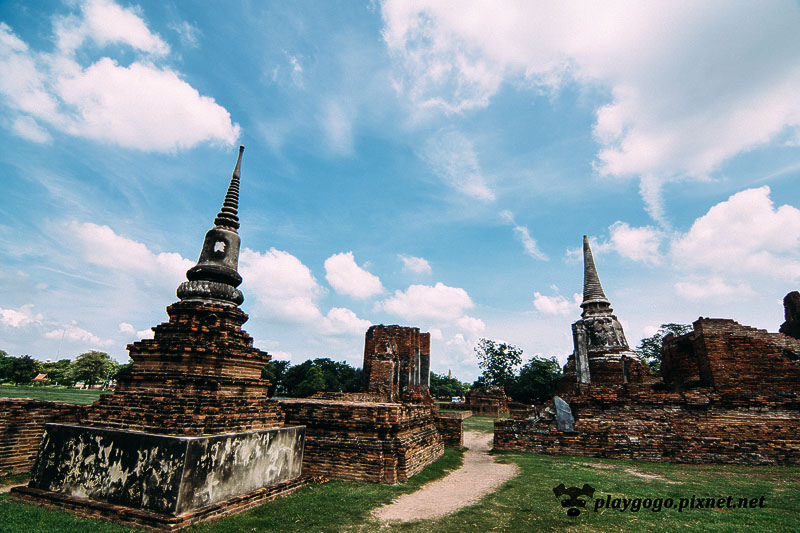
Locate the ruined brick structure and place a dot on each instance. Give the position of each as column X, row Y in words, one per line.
column 729, row 394
column 388, row 432
column 22, row 421
column 190, row 434
column 791, row 312
column 487, row 401
column 397, row 363
column 377, row 442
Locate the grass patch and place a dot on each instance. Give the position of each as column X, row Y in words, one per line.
column 14, row 479
column 524, row 504
column 484, row 424
column 53, row 394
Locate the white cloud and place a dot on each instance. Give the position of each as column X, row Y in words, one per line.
column 453, row 158
column 148, row 333
column 340, row 321
column 423, row 302
column 75, row 334
column 691, row 85
column 418, row 265
column 282, row 285
column 101, row 246
column 19, row 318
column 474, row 326
column 346, row 277
column 524, row 236
column 188, row 33
column 637, row 244
column 556, row 305
column 141, row 106
column 278, row 355
column 27, row 128
column 713, row 287
column 745, row 234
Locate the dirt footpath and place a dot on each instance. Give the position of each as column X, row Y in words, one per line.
column 478, row 476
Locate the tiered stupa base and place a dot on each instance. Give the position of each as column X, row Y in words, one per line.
column 190, row 434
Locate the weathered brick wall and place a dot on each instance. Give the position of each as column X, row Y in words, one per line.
column 729, row 357
column 696, row 427
column 451, row 428
column 489, row 401
column 374, row 442
column 21, row 425
column 397, row 363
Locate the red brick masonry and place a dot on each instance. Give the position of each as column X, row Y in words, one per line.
column 731, row 394
column 22, row 422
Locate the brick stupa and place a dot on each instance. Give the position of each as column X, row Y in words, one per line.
column 602, row 354
column 190, row 434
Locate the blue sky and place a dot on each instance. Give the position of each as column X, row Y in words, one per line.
column 432, row 164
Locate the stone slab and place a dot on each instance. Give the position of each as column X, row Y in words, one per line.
column 164, row 473
column 564, row 419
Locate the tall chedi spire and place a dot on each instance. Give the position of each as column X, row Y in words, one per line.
column 215, row 276
column 594, row 299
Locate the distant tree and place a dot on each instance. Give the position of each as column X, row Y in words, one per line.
column 59, row 372
column 339, row 376
column 5, row 366
column 651, row 349
column 274, row 372
column 498, row 361
column 294, row 376
column 22, row 370
column 537, row 382
column 446, row 387
column 92, row 367
column 313, row 382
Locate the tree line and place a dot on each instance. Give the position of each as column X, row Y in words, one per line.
column 90, row 368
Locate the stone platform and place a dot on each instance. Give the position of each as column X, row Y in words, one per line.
column 149, row 471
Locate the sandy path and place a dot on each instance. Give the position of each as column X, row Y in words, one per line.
column 478, row 476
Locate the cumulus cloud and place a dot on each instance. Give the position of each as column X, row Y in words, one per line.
column 340, row 321
column 142, row 105
column 711, row 287
column 148, row 333
column 283, row 287
column 556, row 305
column 425, row 302
column 75, row 334
column 690, row 86
column 744, row 234
column 418, row 265
column 19, row 318
column 637, row 244
column 346, row 277
column 102, row 246
column 453, row 159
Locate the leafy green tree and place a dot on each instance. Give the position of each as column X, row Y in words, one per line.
column 339, row 376
column 22, row 370
column 498, row 361
column 537, row 382
column 5, row 366
column 313, row 382
column 59, row 372
column 92, row 367
column 274, row 372
column 294, row 376
column 446, row 387
column 651, row 349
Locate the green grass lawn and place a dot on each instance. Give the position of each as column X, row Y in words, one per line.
column 524, row 504
column 52, row 394
column 484, row 424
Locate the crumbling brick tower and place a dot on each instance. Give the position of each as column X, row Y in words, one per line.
column 191, row 433
column 397, row 362
column 602, row 354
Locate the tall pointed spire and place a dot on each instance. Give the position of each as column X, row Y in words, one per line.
column 228, row 215
column 215, row 277
column 593, row 294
